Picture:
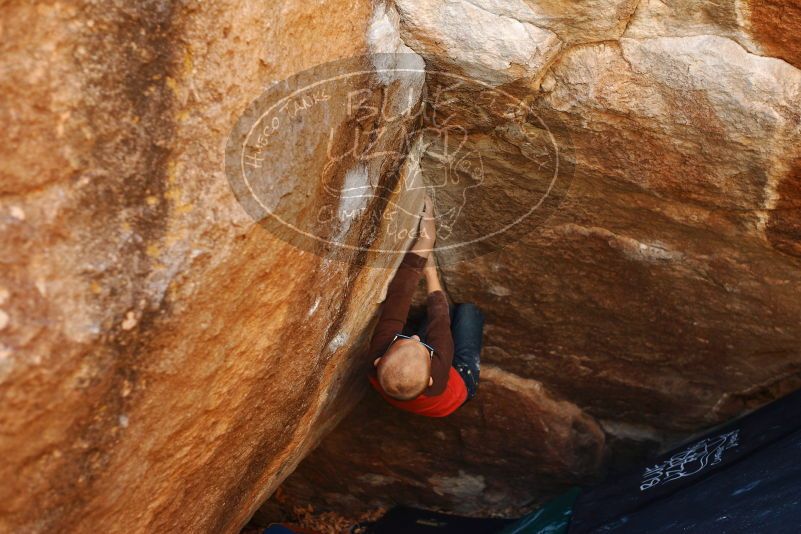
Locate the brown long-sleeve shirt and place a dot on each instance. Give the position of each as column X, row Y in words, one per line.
column 394, row 314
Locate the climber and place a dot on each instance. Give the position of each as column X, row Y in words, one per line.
column 434, row 371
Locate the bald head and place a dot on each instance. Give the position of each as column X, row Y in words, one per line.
column 404, row 371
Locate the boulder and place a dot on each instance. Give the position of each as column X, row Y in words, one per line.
column 165, row 361
column 654, row 288
column 188, row 285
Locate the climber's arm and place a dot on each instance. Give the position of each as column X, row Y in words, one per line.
column 396, row 305
column 438, row 334
column 426, row 231
column 400, row 290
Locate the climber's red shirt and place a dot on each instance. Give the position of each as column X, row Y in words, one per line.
column 436, row 406
column 448, row 391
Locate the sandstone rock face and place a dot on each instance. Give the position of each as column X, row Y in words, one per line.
column 164, row 360
column 661, row 294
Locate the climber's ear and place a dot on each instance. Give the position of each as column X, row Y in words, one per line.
column 375, row 362
column 430, row 381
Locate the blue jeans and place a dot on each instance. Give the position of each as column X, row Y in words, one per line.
column 467, row 328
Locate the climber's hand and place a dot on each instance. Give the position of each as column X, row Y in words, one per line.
column 427, row 230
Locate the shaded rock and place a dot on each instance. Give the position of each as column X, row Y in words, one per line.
column 484, row 458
